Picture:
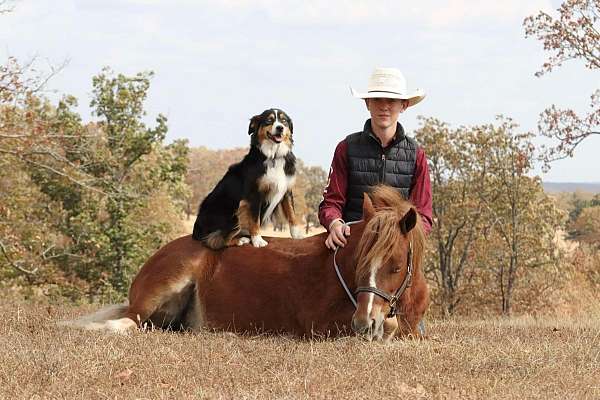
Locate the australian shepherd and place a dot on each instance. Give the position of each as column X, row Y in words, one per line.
column 248, row 194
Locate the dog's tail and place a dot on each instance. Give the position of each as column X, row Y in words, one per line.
column 111, row 318
column 215, row 240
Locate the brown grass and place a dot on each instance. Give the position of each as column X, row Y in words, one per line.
column 549, row 358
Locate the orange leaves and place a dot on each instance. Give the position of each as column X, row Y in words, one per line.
column 574, row 34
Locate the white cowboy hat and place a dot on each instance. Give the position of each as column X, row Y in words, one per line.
column 389, row 83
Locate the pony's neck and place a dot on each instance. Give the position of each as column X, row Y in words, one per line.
column 346, row 256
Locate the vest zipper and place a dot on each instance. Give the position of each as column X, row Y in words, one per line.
column 382, row 168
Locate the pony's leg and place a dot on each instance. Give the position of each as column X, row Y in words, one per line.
column 412, row 313
column 407, row 326
column 287, row 206
column 160, row 295
column 122, row 325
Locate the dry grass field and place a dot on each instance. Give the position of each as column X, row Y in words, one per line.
column 520, row 358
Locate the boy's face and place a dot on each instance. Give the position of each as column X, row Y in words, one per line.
column 385, row 112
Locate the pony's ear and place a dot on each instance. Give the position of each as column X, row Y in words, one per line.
column 368, row 209
column 253, row 124
column 408, row 221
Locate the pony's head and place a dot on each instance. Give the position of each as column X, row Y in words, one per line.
column 388, row 253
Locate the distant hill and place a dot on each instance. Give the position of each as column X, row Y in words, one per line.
column 556, row 187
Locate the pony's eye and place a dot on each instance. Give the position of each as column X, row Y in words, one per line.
column 396, row 270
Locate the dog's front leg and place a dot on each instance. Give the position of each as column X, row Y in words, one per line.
column 287, row 205
column 248, row 217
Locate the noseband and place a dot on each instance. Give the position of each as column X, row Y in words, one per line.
column 391, row 299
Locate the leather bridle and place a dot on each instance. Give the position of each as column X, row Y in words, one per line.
column 392, row 299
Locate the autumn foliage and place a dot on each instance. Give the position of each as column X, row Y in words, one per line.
column 84, row 203
column 573, row 34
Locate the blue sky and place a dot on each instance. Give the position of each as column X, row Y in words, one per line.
column 217, row 63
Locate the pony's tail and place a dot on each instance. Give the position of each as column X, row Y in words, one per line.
column 111, row 318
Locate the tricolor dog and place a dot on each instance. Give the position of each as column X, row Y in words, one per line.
column 248, row 194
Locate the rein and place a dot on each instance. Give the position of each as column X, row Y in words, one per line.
column 391, row 299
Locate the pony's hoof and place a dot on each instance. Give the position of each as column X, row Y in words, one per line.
column 296, row 232
column 258, row 241
column 243, row 240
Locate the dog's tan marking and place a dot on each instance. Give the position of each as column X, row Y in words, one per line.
column 246, row 220
column 288, row 209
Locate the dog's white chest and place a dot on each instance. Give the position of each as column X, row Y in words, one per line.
column 276, row 178
column 275, row 183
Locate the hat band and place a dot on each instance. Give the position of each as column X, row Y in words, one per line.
column 384, row 91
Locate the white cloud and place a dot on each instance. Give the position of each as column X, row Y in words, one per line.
column 453, row 12
column 218, row 62
column 434, row 13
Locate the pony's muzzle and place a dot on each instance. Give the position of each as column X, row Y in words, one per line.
column 369, row 328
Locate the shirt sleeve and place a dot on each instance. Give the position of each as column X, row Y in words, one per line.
column 420, row 194
column 334, row 195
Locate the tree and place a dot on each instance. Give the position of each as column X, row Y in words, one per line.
column 490, row 218
column 458, row 170
column 206, row 167
column 521, row 219
column 111, row 190
column 315, row 179
column 131, row 167
column 29, row 139
column 586, row 227
column 28, row 244
column 572, row 35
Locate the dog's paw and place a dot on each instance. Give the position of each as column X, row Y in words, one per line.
column 243, row 240
column 296, row 232
column 258, row 241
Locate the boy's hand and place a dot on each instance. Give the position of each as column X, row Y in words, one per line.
column 337, row 235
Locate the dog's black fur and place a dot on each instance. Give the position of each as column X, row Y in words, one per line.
column 219, row 216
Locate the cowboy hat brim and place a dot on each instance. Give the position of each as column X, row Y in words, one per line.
column 413, row 98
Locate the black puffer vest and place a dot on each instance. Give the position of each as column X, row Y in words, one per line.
column 370, row 164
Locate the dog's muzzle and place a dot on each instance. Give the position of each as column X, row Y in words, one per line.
column 277, row 136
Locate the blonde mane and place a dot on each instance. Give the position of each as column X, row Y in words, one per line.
column 382, row 233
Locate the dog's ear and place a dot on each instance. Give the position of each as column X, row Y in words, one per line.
column 291, row 124
column 253, row 124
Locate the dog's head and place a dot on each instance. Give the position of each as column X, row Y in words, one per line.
column 272, row 132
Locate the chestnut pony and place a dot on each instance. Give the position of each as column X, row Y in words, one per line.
column 289, row 286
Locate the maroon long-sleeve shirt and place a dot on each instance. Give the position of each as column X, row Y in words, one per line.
column 334, row 195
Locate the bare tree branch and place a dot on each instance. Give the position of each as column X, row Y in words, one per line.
column 572, row 35
column 13, row 263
